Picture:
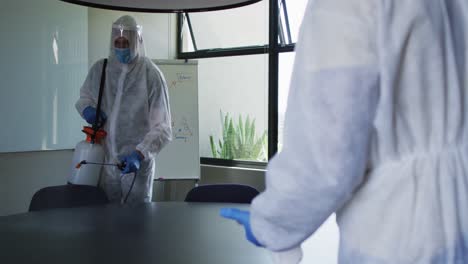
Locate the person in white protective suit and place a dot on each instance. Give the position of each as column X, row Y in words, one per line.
column 376, row 130
column 135, row 107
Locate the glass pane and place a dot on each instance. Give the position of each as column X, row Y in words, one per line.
column 286, row 61
column 238, row 27
column 186, row 37
column 233, row 103
column 295, row 10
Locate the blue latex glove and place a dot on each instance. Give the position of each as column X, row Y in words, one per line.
column 89, row 114
column 131, row 162
column 243, row 218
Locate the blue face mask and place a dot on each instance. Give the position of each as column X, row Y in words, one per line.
column 123, row 55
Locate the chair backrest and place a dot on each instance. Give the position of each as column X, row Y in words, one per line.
column 67, row 196
column 222, row 193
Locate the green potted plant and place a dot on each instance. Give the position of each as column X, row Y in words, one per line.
column 239, row 140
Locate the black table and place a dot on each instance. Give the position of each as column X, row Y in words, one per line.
column 168, row 233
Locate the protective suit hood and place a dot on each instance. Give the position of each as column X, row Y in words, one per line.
column 128, row 28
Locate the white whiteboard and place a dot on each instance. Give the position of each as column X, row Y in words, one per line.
column 44, row 63
column 180, row 158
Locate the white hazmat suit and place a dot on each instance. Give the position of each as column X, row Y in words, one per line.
column 376, row 131
column 135, row 99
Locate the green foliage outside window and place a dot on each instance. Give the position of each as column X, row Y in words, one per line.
column 239, row 140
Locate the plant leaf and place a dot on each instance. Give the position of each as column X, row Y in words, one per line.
column 239, row 140
column 230, row 139
column 252, row 133
column 213, row 147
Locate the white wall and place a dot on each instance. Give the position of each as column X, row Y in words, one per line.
column 34, row 77
column 24, row 173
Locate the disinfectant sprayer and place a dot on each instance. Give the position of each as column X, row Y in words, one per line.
column 90, row 152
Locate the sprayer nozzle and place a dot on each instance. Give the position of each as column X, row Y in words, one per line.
column 121, row 165
column 79, row 164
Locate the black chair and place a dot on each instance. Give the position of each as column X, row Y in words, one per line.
column 67, row 196
column 222, row 193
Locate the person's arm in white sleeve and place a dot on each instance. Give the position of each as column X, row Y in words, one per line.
column 159, row 119
column 329, row 122
column 89, row 92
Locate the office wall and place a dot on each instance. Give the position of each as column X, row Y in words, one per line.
column 23, row 173
column 44, row 55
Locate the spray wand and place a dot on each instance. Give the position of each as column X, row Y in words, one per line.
column 121, row 166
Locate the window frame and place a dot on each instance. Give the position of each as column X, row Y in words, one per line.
column 273, row 49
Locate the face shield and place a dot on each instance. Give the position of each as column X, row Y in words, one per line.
column 126, row 40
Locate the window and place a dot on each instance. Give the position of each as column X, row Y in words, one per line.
column 291, row 13
column 251, row 68
column 233, row 91
column 286, row 61
column 232, row 28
